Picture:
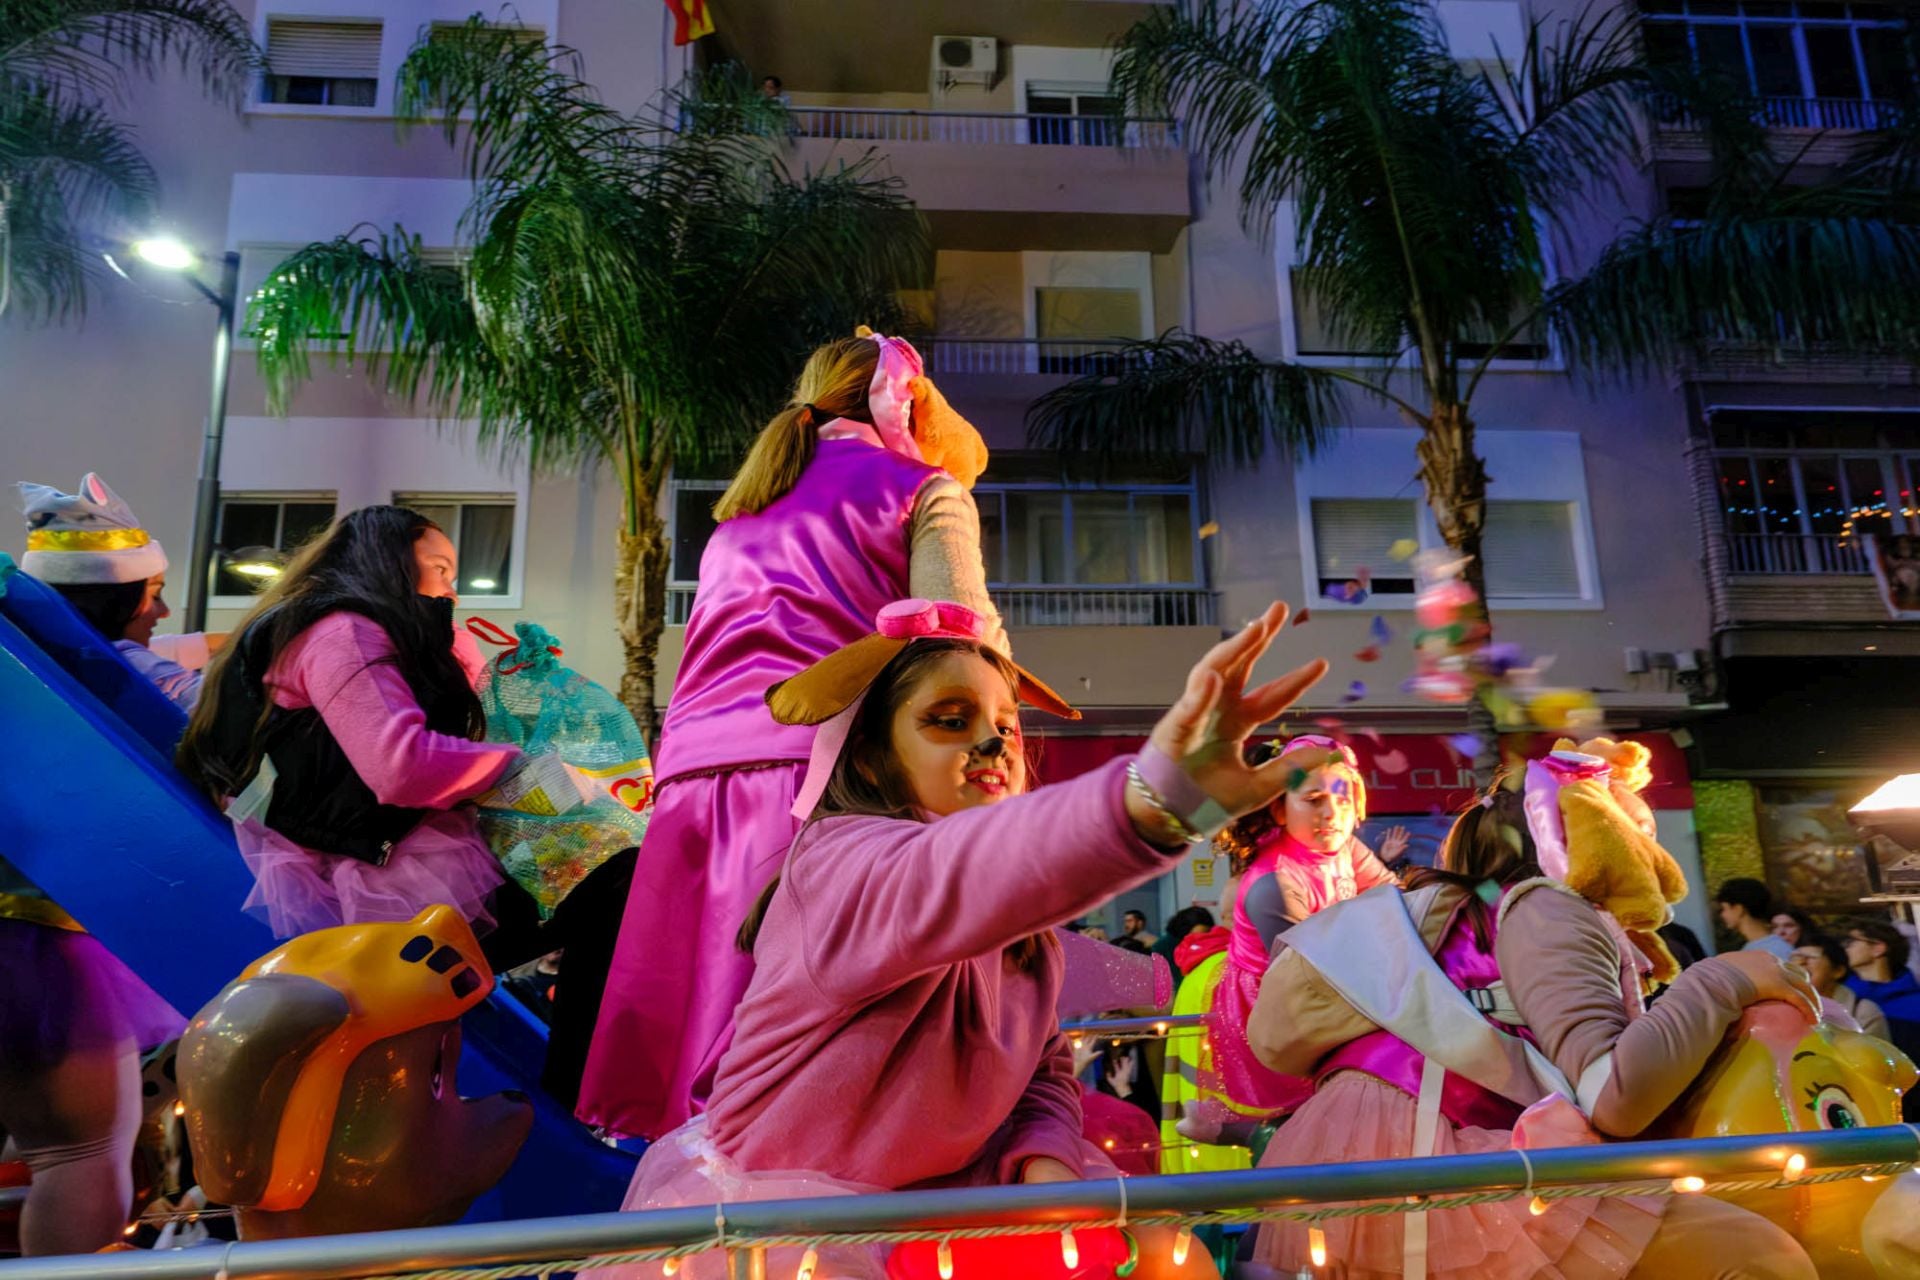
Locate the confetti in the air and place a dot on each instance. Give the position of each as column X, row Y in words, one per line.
column 1403, row 549
column 1369, row 654
column 1355, row 692
column 1379, row 631
column 1391, row 762
column 1210, row 528
column 1300, row 618
column 1465, row 744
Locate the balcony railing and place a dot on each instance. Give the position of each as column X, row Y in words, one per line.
column 990, row 128
column 1789, row 553
column 1062, row 606
column 1858, row 114
column 1020, row 355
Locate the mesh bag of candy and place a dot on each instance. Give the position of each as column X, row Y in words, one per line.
column 541, row 706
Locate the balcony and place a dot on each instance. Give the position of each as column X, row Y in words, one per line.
column 1121, row 606
column 1842, row 114
column 1009, row 181
column 1043, row 356
column 1794, row 553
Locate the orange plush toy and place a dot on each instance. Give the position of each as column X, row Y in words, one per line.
column 945, row 439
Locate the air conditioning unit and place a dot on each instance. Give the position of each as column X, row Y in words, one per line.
column 965, row 60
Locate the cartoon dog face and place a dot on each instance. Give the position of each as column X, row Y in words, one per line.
column 320, row 1087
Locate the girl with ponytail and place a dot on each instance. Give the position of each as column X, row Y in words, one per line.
column 853, row 496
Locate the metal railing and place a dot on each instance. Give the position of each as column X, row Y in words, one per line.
column 1062, row 357
column 539, row 1243
column 989, row 128
column 1061, row 606
column 1795, row 553
column 1855, row 114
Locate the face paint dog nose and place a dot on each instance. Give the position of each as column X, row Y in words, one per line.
column 990, row 748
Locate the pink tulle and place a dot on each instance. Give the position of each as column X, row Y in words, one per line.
column 443, row 860
column 685, row 1168
column 1355, row 1117
column 1254, row 1088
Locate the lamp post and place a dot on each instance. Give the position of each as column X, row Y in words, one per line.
column 171, row 255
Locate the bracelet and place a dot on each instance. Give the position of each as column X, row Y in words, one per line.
column 1181, row 830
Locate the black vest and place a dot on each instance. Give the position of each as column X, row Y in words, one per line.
column 319, row 801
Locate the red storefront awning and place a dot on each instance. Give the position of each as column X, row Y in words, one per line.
column 1406, row 772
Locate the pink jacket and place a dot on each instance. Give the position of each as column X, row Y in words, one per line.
column 885, row 1038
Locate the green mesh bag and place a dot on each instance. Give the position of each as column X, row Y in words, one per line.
column 539, row 705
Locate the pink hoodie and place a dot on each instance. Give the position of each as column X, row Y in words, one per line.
column 885, row 1038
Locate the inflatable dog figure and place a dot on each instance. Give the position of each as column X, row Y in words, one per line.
column 319, row 1086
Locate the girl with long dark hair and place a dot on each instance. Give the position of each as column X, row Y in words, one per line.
column 342, row 726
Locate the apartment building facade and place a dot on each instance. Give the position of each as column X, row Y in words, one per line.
column 1057, row 230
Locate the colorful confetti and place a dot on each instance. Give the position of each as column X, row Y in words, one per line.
column 1391, row 762
column 1379, row 631
column 1210, row 528
column 1300, row 618
column 1465, row 744
column 1403, row 549
column 1369, row 654
column 1355, row 692
column 1345, row 592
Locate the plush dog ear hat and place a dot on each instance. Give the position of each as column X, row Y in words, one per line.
column 87, row 538
column 829, row 692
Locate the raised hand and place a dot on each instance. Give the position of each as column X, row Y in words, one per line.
column 1206, row 730
column 1393, row 843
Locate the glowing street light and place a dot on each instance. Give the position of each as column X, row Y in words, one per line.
column 1893, row 810
column 168, row 253
column 165, row 252
column 257, row 562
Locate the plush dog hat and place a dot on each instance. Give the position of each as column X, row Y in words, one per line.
column 89, row 538
column 829, row 692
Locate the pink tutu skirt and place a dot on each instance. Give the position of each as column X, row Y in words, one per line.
column 1355, row 1117
column 685, row 1168
column 61, row 991
column 443, row 860
column 1253, row 1090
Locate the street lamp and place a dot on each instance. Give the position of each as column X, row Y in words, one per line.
column 169, row 254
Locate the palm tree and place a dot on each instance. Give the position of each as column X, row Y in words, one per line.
column 638, row 291
column 1429, row 199
column 69, row 170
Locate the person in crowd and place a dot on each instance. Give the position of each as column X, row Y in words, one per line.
column 773, row 89
column 73, row 1022
column 1877, row 953
column 1572, row 989
column 1132, row 945
column 1133, row 924
column 1746, row 909
column 89, row 547
column 341, row 729
column 1683, row 943
column 899, row 1030
column 1187, row 920
column 854, row 496
column 1825, row 961
column 1793, row 926
column 1292, row 858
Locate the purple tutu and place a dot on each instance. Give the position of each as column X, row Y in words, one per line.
column 64, row 991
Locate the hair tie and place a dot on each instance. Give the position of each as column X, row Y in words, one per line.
column 812, row 409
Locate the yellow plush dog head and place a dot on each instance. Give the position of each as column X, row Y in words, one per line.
column 946, row 439
column 1613, row 858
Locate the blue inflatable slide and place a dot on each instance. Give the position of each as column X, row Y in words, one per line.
column 99, row 818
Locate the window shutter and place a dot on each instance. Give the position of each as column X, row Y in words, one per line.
column 1350, row 534
column 1528, row 547
column 336, row 50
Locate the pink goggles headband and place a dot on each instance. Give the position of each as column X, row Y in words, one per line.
column 1324, row 743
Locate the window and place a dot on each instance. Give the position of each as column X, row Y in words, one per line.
column 1528, row 551
column 1798, row 488
column 1817, row 65
column 1088, row 117
column 1077, row 327
column 1314, row 331
column 323, row 64
column 260, row 263
column 481, row 526
column 257, row 532
column 1352, row 534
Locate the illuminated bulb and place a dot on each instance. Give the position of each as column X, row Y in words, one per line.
column 1317, row 1246
column 130, row 1228
column 1537, row 1206
column 164, row 252
column 1195, row 1153
column 1796, row 1165
column 670, row 1267
column 1182, row 1241
column 483, row 584
column 1069, row 1249
column 943, row 1258
column 808, row 1261
column 1870, row 1177
column 179, row 1108
column 1160, row 1027
column 1689, row 1185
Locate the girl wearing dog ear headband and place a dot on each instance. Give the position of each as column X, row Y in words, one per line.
column 852, row 497
column 900, row 1026
column 1294, row 857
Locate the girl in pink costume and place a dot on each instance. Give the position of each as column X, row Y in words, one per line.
column 1293, row 858
column 1567, row 1018
column 840, row 509
column 350, row 681
column 899, row 1030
